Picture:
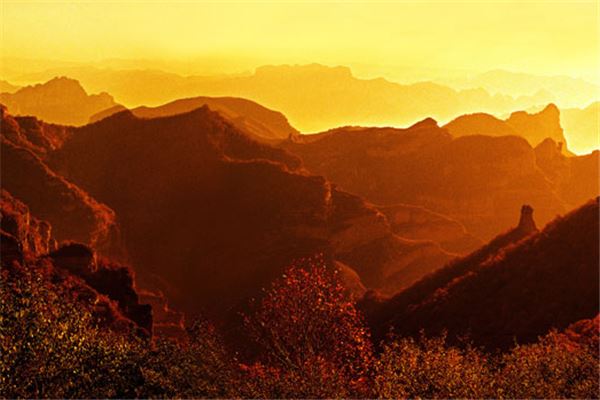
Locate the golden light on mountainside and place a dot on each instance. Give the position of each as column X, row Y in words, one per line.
column 299, row 199
column 375, row 38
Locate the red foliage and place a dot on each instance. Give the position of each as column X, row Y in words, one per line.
column 308, row 327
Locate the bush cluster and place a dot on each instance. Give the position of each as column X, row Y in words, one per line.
column 312, row 343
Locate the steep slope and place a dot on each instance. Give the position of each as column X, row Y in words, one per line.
column 246, row 115
column 60, row 100
column 518, row 287
column 208, row 213
column 31, row 133
column 73, row 214
column 582, row 127
column 477, row 180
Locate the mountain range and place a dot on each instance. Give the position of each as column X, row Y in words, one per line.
column 476, row 179
column 208, row 199
column 314, row 97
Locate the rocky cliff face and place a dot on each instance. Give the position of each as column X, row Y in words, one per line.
column 73, row 214
column 105, row 288
column 539, row 126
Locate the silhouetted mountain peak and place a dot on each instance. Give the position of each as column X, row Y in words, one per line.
column 427, row 123
column 526, row 222
column 60, row 100
column 60, row 85
column 551, row 110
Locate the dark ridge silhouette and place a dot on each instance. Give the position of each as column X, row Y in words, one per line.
column 106, row 288
column 208, row 213
column 476, row 180
column 246, row 115
column 60, row 100
column 519, row 286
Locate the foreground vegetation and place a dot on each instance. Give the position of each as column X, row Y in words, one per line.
column 310, row 340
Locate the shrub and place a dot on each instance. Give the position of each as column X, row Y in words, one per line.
column 51, row 348
column 199, row 368
column 428, row 368
column 552, row 368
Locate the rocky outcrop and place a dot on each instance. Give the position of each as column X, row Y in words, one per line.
column 60, row 100
column 539, row 126
column 107, row 278
column 32, row 235
column 535, row 128
column 526, row 222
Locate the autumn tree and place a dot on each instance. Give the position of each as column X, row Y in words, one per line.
column 313, row 339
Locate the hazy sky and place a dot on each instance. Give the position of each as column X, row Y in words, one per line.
column 547, row 37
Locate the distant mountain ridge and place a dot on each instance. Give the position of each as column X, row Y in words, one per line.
column 60, row 100
column 582, row 127
column 246, row 115
column 314, row 97
column 533, row 127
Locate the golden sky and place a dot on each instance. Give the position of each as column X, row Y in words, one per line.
column 544, row 37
